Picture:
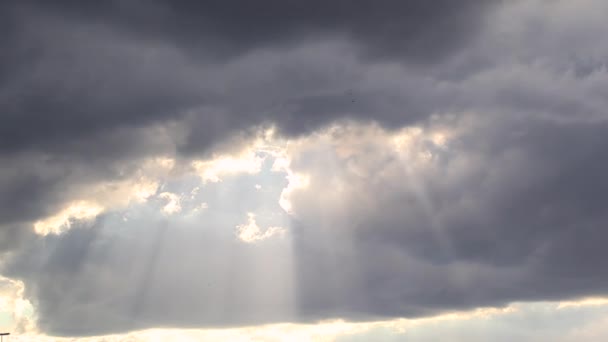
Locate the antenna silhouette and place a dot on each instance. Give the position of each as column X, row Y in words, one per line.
column 2, row 336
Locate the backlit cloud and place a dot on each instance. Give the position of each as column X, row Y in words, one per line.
column 368, row 170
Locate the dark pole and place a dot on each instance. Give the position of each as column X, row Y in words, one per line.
column 2, row 336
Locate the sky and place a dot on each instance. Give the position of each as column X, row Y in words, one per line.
column 282, row 170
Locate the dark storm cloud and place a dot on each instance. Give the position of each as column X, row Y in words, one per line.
column 77, row 68
column 513, row 210
column 524, row 220
column 88, row 83
column 415, row 30
column 36, row 185
column 510, row 216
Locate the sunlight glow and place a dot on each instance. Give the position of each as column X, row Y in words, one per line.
column 331, row 330
column 417, row 144
column 99, row 198
column 15, row 306
column 295, row 182
column 583, row 302
column 251, row 232
column 173, row 204
column 80, row 210
column 212, row 170
column 96, row 198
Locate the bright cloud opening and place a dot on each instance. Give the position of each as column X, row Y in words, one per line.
column 250, row 232
column 80, row 211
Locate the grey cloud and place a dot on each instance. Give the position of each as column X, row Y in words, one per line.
column 36, row 185
column 513, row 212
column 499, row 223
column 85, row 86
column 76, row 68
column 497, row 219
column 415, row 30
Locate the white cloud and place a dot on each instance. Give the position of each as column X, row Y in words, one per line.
column 250, row 232
column 200, row 207
column 212, row 170
column 62, row 221
column 93, row 199
column 346, row 154
column 173, row 204
column 16, row 312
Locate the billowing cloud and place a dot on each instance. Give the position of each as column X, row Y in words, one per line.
column 382, row 159
column 16, row 312
column 454, row 223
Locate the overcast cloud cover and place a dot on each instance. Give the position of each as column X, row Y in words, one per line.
column 208, row 164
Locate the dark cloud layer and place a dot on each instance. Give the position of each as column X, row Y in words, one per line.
column 73, row 68
column 88, row 83
column 490, row 221
column 512, row 210
column 417, row 30
column 525, row 221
